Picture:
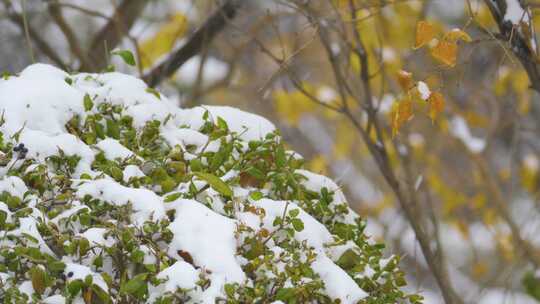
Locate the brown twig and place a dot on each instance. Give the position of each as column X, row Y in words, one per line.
column 517, row 41
column 202, row 36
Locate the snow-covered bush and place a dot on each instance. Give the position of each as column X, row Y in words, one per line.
column 110, row 193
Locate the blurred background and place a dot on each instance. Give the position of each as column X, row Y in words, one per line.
column 331, row 75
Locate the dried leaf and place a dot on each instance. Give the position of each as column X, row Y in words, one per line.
column 457, row 34
column 401, row 113
column 436, row 105
column 445, row 52
column 425, row 32
column 405, row 80
column 186, row 256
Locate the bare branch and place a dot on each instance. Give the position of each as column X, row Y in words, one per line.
column 518, row 42
column 202, row 36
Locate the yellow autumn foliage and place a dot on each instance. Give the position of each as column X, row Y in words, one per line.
column 163, row 40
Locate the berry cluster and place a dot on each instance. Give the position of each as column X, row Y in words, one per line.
column 21, row 150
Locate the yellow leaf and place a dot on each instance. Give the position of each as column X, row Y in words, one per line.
column 291, row 106
column 163, row 41
column 405, row 80
column 425, row 32
column 436, row 105
column 445, row 52
column 401, row 113
column 318, row 164
column 479, row 269
column 457, row 34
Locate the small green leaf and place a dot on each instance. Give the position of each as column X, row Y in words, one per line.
column 222, row 124
column 216, row 183
column 281, row 157
column 348, row 259
column 257, row 195
column 74, row 287
column 285, row 294
column 113, row 129
column 56, row 266
column 133, row 285
column 38, row 278
column 126, row 55
column 88, row 104
column 297, row 223
column 294, row 212
column 172, row 197
column 153, row 92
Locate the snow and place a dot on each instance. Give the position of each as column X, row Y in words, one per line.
column 74, row 271
column 424, row 90
column 248, row 126
column 530, row 161
column 515, row 13
column 205, row 234
column 314, row 232
column 327, row 94
column 13, row 185
column 113, row 149
column 502, row 296
column 132, row 171
column 96, row 236
column 146, row 204
column 179, row 275
column 57, row 299
column 460, row 130
column 337, row 283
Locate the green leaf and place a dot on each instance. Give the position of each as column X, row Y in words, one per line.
column 221, row 156
column 348, row 259
column 281, row 157
column 285, row 294
column 74, row 287
column 532, row 285
column 229, row 290
column 126, row 55
column 258, row 174
column 113, row 129
column 38, row 278
column 216, row 183
column 133, row 285
column 297, row 223
column 172, row 197
column 294, row 212
column 88, row 104
column 222, row 124
column 153, row 92
column 257, row 195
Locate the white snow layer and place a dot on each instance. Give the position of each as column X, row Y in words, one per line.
column 460, row 130
column 41, row 100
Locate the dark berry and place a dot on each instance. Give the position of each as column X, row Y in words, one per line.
column 70, row 274
column 16, row 149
